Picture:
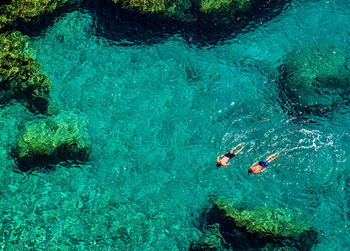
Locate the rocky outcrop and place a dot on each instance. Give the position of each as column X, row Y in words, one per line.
column 189, row 10
column 13, row 11
column 52, row 140
column 211, row 240
column 20, row 75
column 244, row 228
column 224, row 11
column 314, row 80
column 263, row 222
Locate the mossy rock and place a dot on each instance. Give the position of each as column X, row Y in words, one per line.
column 25, row 10
column 52, row 140
column 211, row 240
column 189, row 10
column 144, row 6
column 315, row 79
column 171, row 9
column 224, row 11
column 270, row 224
column 20, row 74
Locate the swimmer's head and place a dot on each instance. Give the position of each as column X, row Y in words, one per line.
column 218, row 163
column 250, row 171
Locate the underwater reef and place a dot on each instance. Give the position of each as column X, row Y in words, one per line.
column 314, row 80
column 255, row 227
column 13, row 11
column 20, row 74
column 223, row 11
column 48, row 140
column 52, row 140
column 211, row 240
column 199, row 21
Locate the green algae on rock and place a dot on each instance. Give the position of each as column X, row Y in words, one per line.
column 268, row 224
column 189, row 10
column 271, row 222
column 224, row 10
column 51, row 140
column 208, row 6
column 145, row 6
column 26, row 10
column 315, row 79
column 20, row 74
column 211, row 240
column 172, row 9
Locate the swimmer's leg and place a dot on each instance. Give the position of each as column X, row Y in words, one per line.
column 233, row 149
column 272, row 157
column 240, row 150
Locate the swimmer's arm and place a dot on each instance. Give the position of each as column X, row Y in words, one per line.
column 255, row 164
column 227, row 164
column 262, row 170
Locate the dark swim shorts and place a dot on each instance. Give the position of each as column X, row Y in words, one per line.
column 263, row 163
column 230, row 155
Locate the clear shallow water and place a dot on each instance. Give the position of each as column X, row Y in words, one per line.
column 158, row 115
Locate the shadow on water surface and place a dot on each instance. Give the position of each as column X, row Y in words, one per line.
column 128, row 27
column 39, row 24
column 121, row 25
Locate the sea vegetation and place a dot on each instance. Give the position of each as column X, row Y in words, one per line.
column 224, row 11
column 52, row 140
column 264, row 222
column 189, row 10
column 14, row 11
column 208, row 6
column 260, row 227
column 211, row 240
column 314, row 80
column 173, row 9
column 20, row 74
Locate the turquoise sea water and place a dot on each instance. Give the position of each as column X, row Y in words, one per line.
column 158, row 115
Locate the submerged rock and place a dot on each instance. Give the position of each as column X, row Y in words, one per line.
column 20, row 75
column 262, row 226
column 314, row 80
column 211, row 240
column 189, row 10
column 173, row 9
column 265, row 222
column 224, row 11
column 52, row 140
column 12, row 11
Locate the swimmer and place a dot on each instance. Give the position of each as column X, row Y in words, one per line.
column 260, row 166
column 223, row 160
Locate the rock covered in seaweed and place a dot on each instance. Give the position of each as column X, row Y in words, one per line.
column 173, row 9
column 265, row 222
column 224, row 11
column 25, row 10
column 314, row 79
column 51, row 140
column 20, row 75
column 211, row 240
column 269, row 225
column 189, row 10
